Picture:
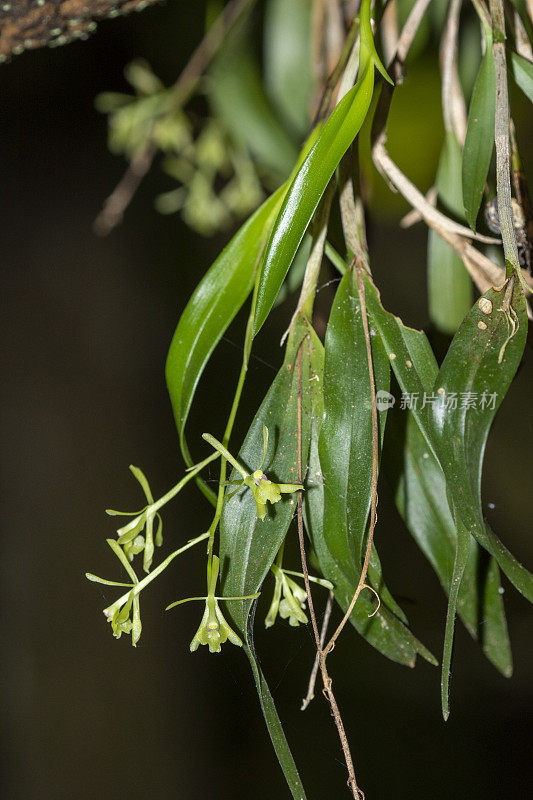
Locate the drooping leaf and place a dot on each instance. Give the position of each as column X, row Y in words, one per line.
column 479, row 141
column 420, row 493
column 365, row 27
column 383, row 630
column 213, row 305
column 273, row 722
column 523, row 74
column 287, row 56
column 462, row 550
column 449, row 284
column 248, row 546
column 480, row 364
column 308, row 186
column 473, row 355
column 345, row 445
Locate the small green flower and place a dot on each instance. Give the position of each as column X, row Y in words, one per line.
column 264, row 490
column 130, row 535
column 119, row 612
column 213, row 630
column 119, row 617
column 291, row 605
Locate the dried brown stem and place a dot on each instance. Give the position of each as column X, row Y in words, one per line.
column 501, row 137
column 314, row 672
column 118, row 201
column 326, row 679
column 351, row 211
column 453, row 104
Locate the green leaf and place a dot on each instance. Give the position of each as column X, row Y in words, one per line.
column 479, row 141
column 345, row 445
column 248, row 545
column 308, row 186
column 383, row 630
column 461, row 558
column 449, row 284
column 287, row 56
column 367, row 39
column 420, row 493
column 471, row 365
column 213, row 305
column 279, row 740
column 523, row 74
column 481, row 362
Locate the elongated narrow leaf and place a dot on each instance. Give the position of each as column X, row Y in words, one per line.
column 523, row 74
column 213, row 305
column 462, row 551
column 346, row 437
column 479, row 141
column 479, row 366
column 383, row 630
column 365, row 27
column 483, row 358
column 249, row 545
column 474, row 355
column 308, row 186
column 449, row 284
column 273, row 722
column 420, row 493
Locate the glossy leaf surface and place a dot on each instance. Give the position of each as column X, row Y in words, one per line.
column 420, row 493
column 383, row 630
column 481, row 362
column 345, row 445
column 213, row 305
column 308, row 186
column 248, row 546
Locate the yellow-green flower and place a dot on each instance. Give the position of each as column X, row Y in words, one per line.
column 264, row 490
column 289, row 600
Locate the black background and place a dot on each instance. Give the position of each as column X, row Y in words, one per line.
column 86, row 326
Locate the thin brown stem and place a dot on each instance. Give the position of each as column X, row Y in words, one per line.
column 316, row 664
column 501, row 138
column 453, row 104
column 326, row 679
column 116, row 204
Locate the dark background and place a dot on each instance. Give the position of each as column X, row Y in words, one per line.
column 86, row 326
